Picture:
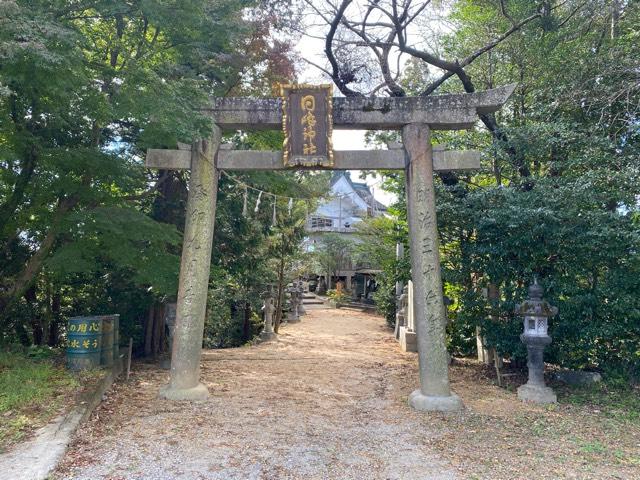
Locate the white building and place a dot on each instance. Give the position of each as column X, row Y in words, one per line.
column 349, row 203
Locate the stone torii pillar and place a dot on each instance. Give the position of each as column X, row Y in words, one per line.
column 428, row 302
column 415, row 117
column 184, row 383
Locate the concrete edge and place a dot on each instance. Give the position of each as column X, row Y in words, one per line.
column 36, row 458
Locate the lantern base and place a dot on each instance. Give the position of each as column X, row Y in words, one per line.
column 268, row 336
column 536, row 394
column 429, row 403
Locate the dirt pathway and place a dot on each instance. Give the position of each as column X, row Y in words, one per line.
column 327, row 400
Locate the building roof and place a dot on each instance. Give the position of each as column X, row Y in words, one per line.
column 361, row 189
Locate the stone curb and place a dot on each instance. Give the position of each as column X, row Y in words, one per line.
column 36, row 458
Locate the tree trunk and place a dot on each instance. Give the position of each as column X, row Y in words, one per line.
column 54, row 326
column 246, row 325
column 615, row 18
column 28, row 274
column 37, row 332
column 158, row 331
column 148, row 331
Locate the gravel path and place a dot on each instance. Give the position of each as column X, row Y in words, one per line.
column 327, row 400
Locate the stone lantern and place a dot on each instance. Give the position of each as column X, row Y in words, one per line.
column 301, row 309
column 536, row 312
column 294, row 313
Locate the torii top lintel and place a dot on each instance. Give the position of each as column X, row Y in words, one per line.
column 440, row 112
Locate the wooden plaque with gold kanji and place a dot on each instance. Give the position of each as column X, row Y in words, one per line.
column 307, row 125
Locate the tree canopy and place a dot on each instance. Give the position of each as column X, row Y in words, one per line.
column 557, row 196
column 85, row 89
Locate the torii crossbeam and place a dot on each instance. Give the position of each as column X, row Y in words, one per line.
column 415, row 117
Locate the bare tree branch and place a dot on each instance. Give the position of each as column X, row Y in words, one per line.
column 324, row 70
column 336, row 75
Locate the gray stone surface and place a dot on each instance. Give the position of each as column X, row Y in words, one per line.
column 268, row 336
column 295, row 299
column 168, row 159
column 578, row 377
column 401, row 310
column 184, row 383
column 536, row 394
column 428, row 304
column 408, row 340
column 440, row 112
column 443, row 160
column 432, row 403
column 535, row 390
column 535, row 312
column 36, row 458
column 268, row 310
column 300, row 298
column 199, row 392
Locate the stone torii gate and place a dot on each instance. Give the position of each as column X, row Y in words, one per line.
column 415, row 117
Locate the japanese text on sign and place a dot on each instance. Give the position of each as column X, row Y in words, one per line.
column 307, row 125
column 308, row 105
column 84, row 327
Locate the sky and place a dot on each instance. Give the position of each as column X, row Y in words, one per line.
column 313, row 50
column 421, row 33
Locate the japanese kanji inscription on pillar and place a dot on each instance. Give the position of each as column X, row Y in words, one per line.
column 307, row 125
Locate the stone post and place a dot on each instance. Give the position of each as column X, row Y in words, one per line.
column 269, row 308
column 294, row 316
column 486, row 355
column 399, row 287
column 184, row 383
column 408, row 338
column 410, row 320
column 429, row 310
column 301, row 309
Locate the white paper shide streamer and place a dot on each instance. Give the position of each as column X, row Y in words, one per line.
column 258, row 202
column 244, row 202
column 274, row 220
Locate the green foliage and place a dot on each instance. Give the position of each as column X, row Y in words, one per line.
column 29, row 390
column 334, row 252
column 616, row 400
column 124, row 239
column 249, row 252
column 558, row 193
column 379, row 236
column 225, row 323
column 339, row 297
column 84, row 90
